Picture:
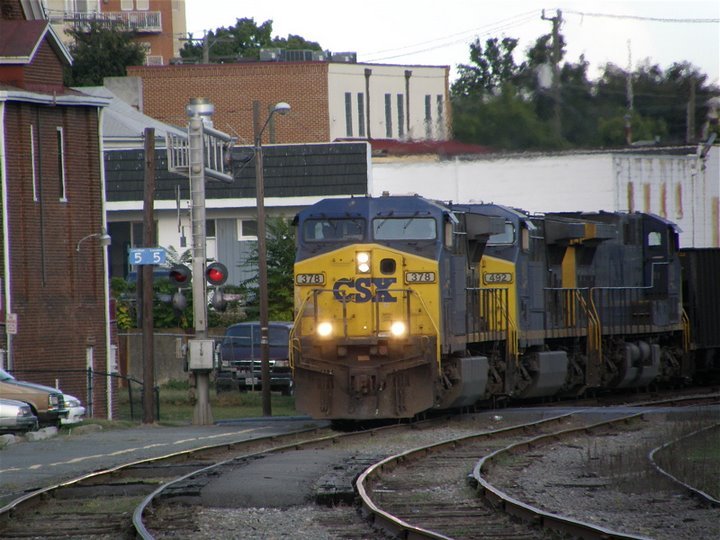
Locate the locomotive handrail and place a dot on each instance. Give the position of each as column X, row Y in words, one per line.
column 686, row 330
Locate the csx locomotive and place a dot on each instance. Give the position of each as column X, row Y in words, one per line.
column 405, row 304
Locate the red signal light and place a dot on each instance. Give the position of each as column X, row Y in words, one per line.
column 216, row 273
column 180, row 275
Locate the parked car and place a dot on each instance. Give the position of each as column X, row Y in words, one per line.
column 240, row 357
column 16, row 416
column 76, row 411
column 47, row 403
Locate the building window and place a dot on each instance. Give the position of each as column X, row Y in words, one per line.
column 210, row 239
column 142, row 5
column 32, row 163
column 401, row 115
column 361, row 114
column 678, row 202
column 348, row 114
column 247, row 229
column 388, row 116
column 428, row 117
column 440, row 116
column 61, row 163
column 126, row 5
column 81, row 6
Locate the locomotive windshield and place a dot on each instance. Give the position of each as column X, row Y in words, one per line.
column 316, row 230
column 407, row 228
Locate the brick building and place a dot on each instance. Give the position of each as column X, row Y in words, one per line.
column 158, row 24
column 330, row 100
column 55, row 308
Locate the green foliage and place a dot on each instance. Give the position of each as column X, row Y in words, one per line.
column 243, row 40
column 505, row 121
column 500, row 103
column 280, row 246
column 491, row 69
column 101, row 52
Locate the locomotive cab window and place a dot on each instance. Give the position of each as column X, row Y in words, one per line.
column 334, row 230
column 406, row 228
column 504, row 238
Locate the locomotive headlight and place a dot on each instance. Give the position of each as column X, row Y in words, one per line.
column 398, row 329
column 324, row 329
column 363, row 262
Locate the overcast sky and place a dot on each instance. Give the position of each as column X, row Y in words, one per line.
column 431, row 32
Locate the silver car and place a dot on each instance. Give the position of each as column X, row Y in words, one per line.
column 16, row 416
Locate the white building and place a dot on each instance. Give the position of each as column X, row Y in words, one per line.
column 680, row 184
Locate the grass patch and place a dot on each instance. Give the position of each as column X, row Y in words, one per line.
column 177, row 404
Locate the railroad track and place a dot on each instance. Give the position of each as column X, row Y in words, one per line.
column 159, row 497
column 101, row 504
column 402, row 497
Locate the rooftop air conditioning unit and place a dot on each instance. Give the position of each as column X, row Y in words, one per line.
column 346, row 57
column 269, row 55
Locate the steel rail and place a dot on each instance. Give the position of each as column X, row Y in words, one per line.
column 394, row 524
column 9, row 509
column 534, row 514
column 706, row 497
column 142, row 531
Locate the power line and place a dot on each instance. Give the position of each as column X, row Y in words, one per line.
column 641, row 18
column 503, row 24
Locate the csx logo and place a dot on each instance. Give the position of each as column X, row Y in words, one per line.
column 360, row 290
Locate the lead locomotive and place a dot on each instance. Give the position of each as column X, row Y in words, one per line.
column 404, row 304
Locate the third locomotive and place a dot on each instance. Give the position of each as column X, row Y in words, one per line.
column 405, row 304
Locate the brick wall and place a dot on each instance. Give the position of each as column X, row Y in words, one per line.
column 161, row 44
column 232, row 88
column 57, row 292
column 45, row 71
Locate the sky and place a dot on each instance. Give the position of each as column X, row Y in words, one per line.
column 439, row 33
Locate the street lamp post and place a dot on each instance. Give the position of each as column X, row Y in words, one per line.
column 280, row 108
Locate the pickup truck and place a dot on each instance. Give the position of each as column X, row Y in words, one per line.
column 47, row 403
column 239, row 357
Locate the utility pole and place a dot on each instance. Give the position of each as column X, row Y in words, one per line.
column 556, row 22
column 629, row 98
column 198, row 108
column 146, row 278
column 690, row 133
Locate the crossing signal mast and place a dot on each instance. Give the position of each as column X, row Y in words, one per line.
column 201, row 154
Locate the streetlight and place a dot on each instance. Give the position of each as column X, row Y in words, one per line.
column 104, row 237
column 280, row 108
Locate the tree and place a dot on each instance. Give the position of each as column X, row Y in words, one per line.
column 100, row 52
column 506, row 121
column 500, row 103
column 244, row 40
column 493, row 67
column 280, row 248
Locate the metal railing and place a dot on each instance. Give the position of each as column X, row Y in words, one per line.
column 137, row 21
column 216, row 148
